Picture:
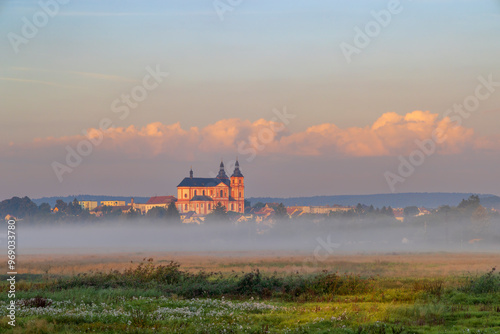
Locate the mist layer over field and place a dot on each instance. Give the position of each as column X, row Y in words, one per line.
column 318, row 239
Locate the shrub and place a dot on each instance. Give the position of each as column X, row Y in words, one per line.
column 170, row 279
column 486, row 283
column 249, row 283
column 332, row 283
column 36, row 302
column 147, row 272
column 432, row 287
column 144, row 275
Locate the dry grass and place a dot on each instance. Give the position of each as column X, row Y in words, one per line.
column 385, row 265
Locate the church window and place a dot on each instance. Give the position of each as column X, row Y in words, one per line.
column 195, row 192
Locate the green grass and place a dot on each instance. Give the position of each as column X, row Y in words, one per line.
column 165, row 299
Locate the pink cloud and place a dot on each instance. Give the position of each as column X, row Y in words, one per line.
column 391, row 134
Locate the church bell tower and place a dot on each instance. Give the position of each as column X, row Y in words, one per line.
column 238, row 188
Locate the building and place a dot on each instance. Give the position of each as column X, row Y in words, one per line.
column 423, row 211
column 113, row 203
column 201, row 195
column 89, row 205
column 265, row 213
column 192, row 217
column 10, row 217
column 143, row 208
column 156, row 201
column 323, row 209
column 100, row 210
column 399, row 214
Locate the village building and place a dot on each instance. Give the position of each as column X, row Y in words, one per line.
column 201, row 195
column 88, row 205
column 153, row 202
column 113, row 203
column 143, row 208
column 323, row 209
column 100, row 210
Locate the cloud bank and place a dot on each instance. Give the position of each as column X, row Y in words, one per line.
column 390, row 135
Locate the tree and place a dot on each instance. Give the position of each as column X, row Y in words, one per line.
column 18, row 207
column 360, row 209
column 280, row 212
column 74, row 208
column 113, row 213
column 258, row 206
column 172, row 214
column 247, row 204
column 444, row 209
column 390, row 212
column 410, row 211
column 61, row 206
column 44, row 208
column 106, row 209
column 132, row 214
column 480, row 220
column 218, row 214
column 156, row 213
column 472, row 203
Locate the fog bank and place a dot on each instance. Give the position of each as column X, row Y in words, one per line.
column 320, row 239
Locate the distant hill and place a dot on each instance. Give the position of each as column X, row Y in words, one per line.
column 52, row 200
column 492, row 202
column 426, row 200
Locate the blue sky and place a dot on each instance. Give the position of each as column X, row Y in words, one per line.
column 263, row 55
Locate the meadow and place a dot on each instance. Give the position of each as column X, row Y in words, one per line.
column 255, row 292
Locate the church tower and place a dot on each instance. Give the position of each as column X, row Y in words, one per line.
column 222, row 173
column 238, row 189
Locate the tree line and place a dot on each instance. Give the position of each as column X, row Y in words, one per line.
column 24, row 208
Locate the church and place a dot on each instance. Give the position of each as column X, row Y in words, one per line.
column 201, row 194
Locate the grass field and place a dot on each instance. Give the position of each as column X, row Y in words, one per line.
column 392, row 264
column 278, row 292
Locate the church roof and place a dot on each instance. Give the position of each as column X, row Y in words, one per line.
column 237, row 172
column 222, row 173
column 202, row 182
column 161, row 200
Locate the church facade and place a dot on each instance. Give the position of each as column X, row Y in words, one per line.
column 201, row 195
